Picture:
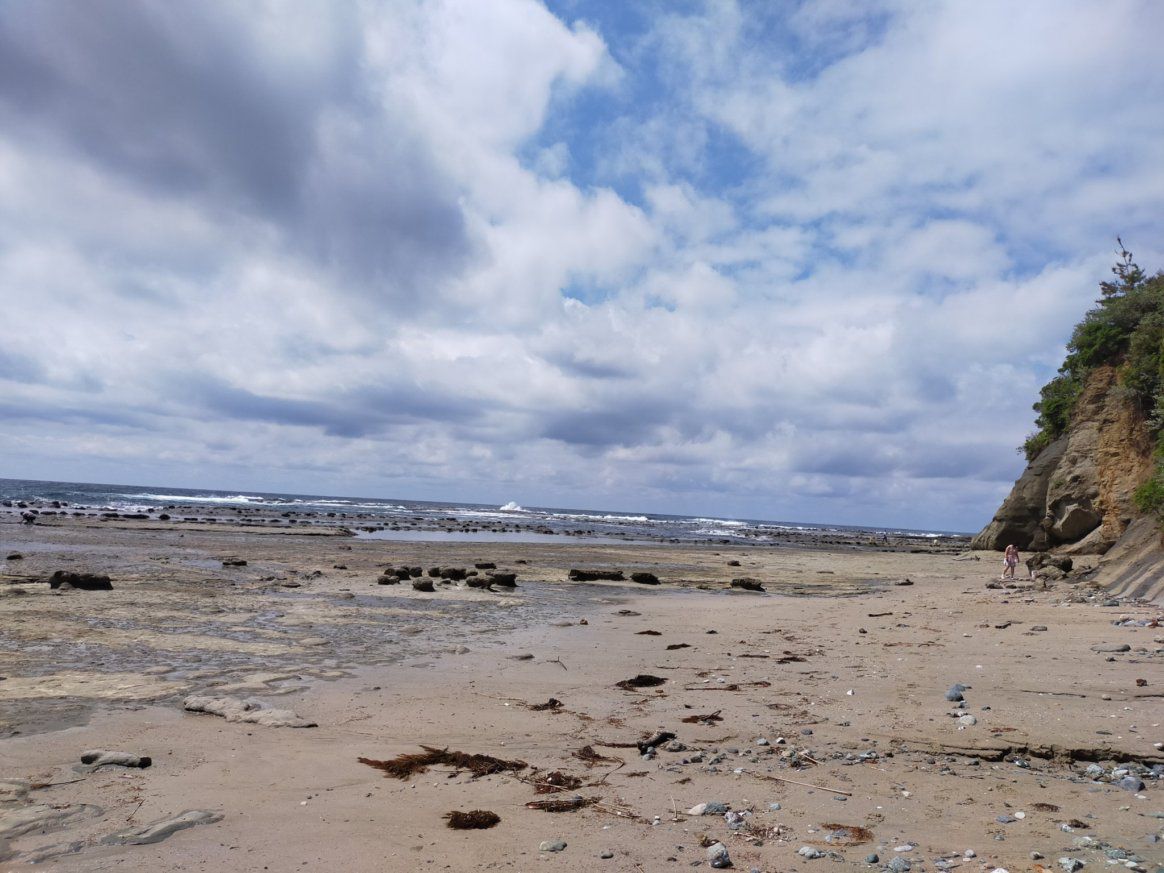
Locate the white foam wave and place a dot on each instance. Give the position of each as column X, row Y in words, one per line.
column 512, row 506
column 722, row 522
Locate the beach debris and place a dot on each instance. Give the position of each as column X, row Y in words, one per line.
column 596, row 575
column 555, row 780
column 642, row 680
column 733, row 686
column 795, row 782
column 747, row 584
column 590, row 758
column 711, row 807
column 158, row 830
column 645, row 578
column 552, row 703
column 649, row 633
column 404, row 766
column 63, row 579
column 14, row 556
column 485, row 565
column 627, row 612
column 656, row 739
column 102, row 758
column 1044, row 807
column 704, row 718
column 568, row 804
column 846, row 835
column 525, row 656
column 234, row 562
column 674, row 646
column 424, row 585
column 474, row 819
column 249, row 711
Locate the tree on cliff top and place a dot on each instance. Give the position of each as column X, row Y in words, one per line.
column 1124, row 330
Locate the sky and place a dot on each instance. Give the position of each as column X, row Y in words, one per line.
column 804, row 261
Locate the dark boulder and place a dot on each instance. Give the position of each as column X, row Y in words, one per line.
column 645, row 578
column 423, row 585
column 83, row 581
column 506, row 580
column 597, row 575
column 747, row 584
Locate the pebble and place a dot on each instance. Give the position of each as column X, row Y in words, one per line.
column 717, row 856
column 967, row 721
column 552, row 846
column 809, row 852
column 898, row 865
column 872, row 858
column 775, row 807
column 1131, row 783
column 1070, row 865
column 606, row 854
column 954, row 694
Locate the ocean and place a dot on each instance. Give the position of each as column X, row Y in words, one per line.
column 403, row 519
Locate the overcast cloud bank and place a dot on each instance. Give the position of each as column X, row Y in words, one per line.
column 811, row 264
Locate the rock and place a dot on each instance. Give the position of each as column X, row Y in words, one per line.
column 424, row 585
column 83, row 581
column 1114, row 648
column 872, row 858
column 1070, row 865
column 954, row 694
column 158, row 830
column 1131, row 783
column 234, row 562
column 809, row 852
column 505, row 580
column 718, row 857
column 485, row 565
column 552, row 846
column 40, row 817
column 645, row 578
column 102, row 758
column 747, row 584
column 898, row 865
column 1038, row 628
column 248, row 711
column 457, row 574
column 596, row 575
column 606, row 854
column 14, row 556
column 903, row 582
column 1074, row 521
column 1017, row 520
column 967, row 721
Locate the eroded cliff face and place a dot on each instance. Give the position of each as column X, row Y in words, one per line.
column 1077, row 494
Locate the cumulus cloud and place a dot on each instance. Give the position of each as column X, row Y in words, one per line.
column 808, row 263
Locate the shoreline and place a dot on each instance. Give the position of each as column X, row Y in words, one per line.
column 384, row 670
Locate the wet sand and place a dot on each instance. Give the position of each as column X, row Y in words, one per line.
column 841, row 673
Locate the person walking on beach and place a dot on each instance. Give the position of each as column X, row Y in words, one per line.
column 1010, row 559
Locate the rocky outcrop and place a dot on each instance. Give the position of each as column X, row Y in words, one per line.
column 1135, row 565
column 1077, row 494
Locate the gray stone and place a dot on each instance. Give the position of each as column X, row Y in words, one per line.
column 606, row 854
column 898, row 865
column 954, row 694
column 718, row 857
column 1131, row 783
column 1070, row 865
column 872, row 858
column 809, row 852
column 552, row 846
column 1121, row 647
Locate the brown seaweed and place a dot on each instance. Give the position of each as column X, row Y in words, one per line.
column 552, row 703
column 642, row 680
column 590, row 758
column 556, row 780
column 404, row 766
column 846, row 835
column 568, row 804
column 705, row 718
column 475, row 819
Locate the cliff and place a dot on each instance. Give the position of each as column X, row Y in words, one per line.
column 1075, row 496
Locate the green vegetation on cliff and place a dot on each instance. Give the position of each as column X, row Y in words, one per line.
column 1125, row 330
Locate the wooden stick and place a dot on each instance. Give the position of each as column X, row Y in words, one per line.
column 804, row 784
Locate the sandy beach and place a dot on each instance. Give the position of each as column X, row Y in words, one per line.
column 811, row 721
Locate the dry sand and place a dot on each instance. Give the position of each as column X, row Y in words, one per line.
column 829, row 689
